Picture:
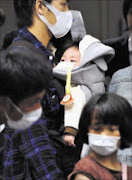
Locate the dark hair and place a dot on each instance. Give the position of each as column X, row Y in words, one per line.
column 23, row 74
column 9, row 38
column 127, row 4
column 24, row 12
column 110, row 109
column 2, row 17
column 66, row 44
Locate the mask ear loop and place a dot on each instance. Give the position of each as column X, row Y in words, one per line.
column 44, row 3
column 51, row 8
column 18, row 113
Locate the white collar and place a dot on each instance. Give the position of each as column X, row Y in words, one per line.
column 2, row 127
column 130, row 43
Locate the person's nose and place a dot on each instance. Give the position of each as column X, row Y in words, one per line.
column 67, row 60
column 105, row 132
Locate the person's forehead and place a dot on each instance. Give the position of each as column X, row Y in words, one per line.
column 95, row 121
column 72, row 52
column 72, row 49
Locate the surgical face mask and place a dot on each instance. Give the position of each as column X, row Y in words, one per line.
column 63, row 24
column 102, row 144
column 64, row 65
column 26, row 120
column 61, row 69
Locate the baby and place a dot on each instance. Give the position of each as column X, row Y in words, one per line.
column 87, row 77
column 72, row 113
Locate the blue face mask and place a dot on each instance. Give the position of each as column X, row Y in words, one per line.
column 63, row 24
column 26, row 120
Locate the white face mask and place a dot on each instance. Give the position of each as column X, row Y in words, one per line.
column 27, row 118
column 102, row 144
column 63, row 24
column 64, row 65
column 61, row 69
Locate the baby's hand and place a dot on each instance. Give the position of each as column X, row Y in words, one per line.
column 70, row 140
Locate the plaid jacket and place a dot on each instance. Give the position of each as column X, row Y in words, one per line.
column 51, row 101
column 29, row 154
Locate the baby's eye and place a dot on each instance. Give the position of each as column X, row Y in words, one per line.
column 62, row 60
column 72, row 60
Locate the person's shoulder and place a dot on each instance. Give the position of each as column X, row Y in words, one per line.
column 38, row 128
column 40, row 124
column 26, row 46
column 86, row 162
column 86, row 165
column 117, row 42
column 22, row 44
column 123, row 73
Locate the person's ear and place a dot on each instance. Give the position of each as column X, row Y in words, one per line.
column 119, row 143
column 40, row 7
column 45, row 11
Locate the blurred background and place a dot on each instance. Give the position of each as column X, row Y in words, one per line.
column 103, row 18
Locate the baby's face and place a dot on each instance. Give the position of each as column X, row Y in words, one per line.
column 72, row 54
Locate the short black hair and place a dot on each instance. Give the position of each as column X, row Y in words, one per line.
column 127, row 4
column 23, row 74
column 111, row 109
column 66, row 44
column 24, row 12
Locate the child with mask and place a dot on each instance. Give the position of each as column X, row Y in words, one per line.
column 88, row 59
column 105, row 125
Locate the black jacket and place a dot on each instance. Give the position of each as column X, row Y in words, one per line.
column 121, row 58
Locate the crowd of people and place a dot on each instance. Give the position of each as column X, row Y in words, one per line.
column 59, row 120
